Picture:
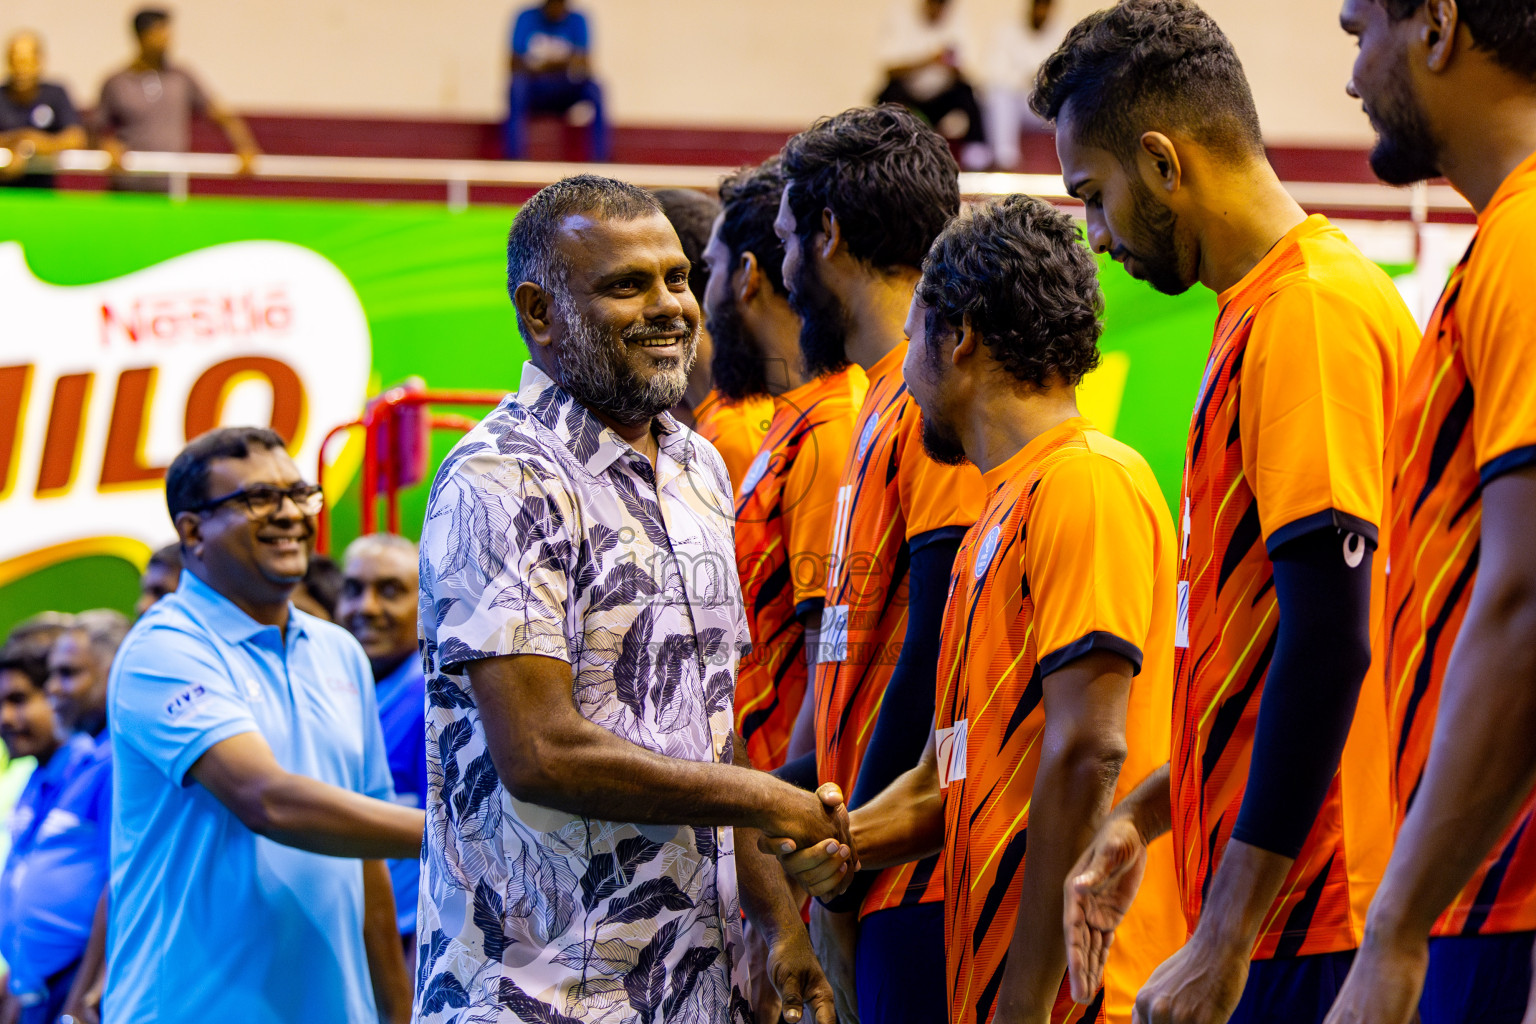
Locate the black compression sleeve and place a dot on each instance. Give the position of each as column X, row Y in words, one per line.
column 799, row 772
column 1322, row 652
column 906, row 710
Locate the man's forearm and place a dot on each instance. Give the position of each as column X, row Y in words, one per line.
column 585, row 769
column 1242, row 893
column 546, row 753
column 381, row 939
column 1073, row 790
column 308, row 814
column 47, row 143
column 904, row 823
column 765, row 892
column 236, row 131
column 1150, row 805
column 1480, row 771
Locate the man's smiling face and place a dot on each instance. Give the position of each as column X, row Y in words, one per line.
column 263, row 557
column 625, row 325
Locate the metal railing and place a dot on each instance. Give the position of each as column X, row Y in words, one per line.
column 456, row 177
column 397, row 428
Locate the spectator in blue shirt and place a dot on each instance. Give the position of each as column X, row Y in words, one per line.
column 378, row 607
column 57, row 864
column 251, row 775
column 78, row 666
column 552, row 72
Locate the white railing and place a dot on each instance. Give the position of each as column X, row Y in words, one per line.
column 457, row 176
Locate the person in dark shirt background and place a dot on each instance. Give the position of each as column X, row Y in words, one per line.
column 149, row 106
column 36, row 117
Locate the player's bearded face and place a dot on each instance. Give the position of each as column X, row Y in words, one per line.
column 1152, row 251
column 940, row 439
column 610, row 370
column 737, row 365
column 1405, row 150
column 823, row 318
column 941, row 442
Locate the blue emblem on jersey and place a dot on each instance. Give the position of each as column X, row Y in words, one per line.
column 755, row 473
column 868, row 435
column 987, row 550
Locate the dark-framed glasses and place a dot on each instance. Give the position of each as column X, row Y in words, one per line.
column 262, row 501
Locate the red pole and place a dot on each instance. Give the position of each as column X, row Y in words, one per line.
column 370, row 473
column 323, row 522
column 392, row 497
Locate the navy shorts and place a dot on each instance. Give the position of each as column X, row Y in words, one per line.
column 1293, row 990
column 1477, row 979
column 899, row 966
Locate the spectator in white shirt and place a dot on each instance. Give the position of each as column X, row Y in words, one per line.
column 1018, row 49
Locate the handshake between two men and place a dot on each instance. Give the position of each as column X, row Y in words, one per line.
column 1070, row 926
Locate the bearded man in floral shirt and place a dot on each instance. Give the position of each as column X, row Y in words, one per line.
column 581, row 622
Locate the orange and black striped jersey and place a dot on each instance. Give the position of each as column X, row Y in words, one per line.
column 1074, row 552
column 1288, row 436
column 1469, row 416
column 890, row 492
column 736, row 429
column 783, row 529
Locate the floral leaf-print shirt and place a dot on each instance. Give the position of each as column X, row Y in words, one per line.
column 548, row 534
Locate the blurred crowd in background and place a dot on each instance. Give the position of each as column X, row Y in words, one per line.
column 976, row 97
column 56, row 784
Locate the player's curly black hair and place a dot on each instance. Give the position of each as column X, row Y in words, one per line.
column 888, row 178
column 750, row 201
column 1150, row 65
column 1505, row 28
column 1018, row 268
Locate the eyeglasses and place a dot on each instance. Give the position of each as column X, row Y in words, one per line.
column 262, row 501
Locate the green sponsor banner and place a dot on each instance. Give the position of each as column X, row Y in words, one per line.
column 142, row 320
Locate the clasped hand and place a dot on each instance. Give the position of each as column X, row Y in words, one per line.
column 824, row 866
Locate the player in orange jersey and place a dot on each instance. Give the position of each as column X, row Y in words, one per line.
column 734, row 423
column 735, row 427
column 1276, row 792
column 866, row 192
column 1451, row 88
column 1057, row 658
column 784, row 506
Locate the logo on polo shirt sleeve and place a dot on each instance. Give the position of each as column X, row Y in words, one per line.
column 184, row 701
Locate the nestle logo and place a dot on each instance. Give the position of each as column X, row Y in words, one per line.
column 197, row 316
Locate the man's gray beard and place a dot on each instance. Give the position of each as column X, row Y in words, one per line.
column 596, row 372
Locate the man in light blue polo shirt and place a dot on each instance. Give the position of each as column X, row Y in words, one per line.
column 250, row 775
column 378, row 606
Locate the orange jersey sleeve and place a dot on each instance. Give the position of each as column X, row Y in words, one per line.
column 1470, row 417
column 1499, row 337
column 811, row 505
column 736, row 429
column 1312, row 419
column 1089, row 560
column 934, row 495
